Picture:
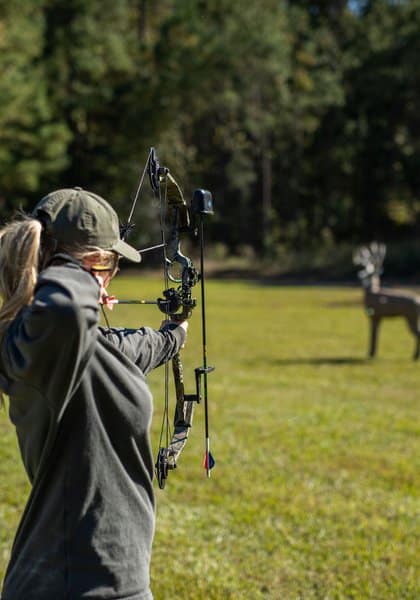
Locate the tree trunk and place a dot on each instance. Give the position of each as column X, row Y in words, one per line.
column 267, row 177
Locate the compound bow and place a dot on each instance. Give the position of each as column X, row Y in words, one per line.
column 177, row 304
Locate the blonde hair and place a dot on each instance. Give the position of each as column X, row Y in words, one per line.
column 19, row 256
column 19, row 261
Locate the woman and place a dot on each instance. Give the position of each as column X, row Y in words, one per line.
column 80, row 404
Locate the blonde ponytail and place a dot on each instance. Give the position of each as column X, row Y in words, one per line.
column 19, row 264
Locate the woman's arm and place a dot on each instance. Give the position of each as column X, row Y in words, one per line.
column 147, row 347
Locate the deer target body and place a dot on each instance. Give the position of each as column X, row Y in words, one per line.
column 383, row 302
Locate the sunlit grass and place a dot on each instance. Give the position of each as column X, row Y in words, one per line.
column 315, row 489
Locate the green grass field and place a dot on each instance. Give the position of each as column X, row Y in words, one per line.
column 315, row 489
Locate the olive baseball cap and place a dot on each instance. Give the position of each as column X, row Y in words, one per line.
column 78, row 217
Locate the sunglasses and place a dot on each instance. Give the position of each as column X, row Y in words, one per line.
column 111, row 267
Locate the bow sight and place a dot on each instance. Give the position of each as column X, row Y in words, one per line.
column 174, row 299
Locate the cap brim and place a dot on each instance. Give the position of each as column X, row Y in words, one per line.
column 127, row 251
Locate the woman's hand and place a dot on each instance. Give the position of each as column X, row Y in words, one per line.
column 182, row 324
column 103, row 268
column 104, row 298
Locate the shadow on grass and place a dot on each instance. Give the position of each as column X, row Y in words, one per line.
column 334, row 360
column 344, row 303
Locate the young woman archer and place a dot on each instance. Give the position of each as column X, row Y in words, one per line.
column 80, row 403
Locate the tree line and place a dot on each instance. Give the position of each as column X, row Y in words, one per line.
column 301, row 117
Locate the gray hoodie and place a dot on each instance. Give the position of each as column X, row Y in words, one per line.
column 82, row 410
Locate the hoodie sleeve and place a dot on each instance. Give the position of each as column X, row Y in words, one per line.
column 50, row 341
column 148, row 348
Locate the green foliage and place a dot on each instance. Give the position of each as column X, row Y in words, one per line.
column 32, row 141
column 301, row 117
column 315, row 490
column 92, row 58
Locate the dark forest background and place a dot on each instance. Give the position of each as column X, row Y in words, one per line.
column 302, row 118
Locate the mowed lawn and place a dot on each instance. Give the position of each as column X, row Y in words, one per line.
column 315, row 489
